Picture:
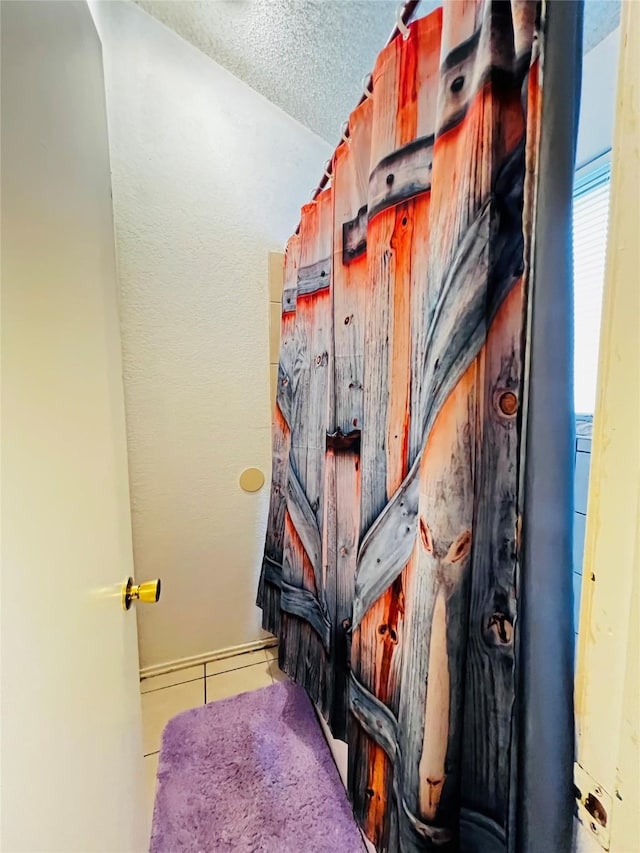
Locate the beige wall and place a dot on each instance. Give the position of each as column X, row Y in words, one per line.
column 608, row 676
column 72, row 774
column 208, row 178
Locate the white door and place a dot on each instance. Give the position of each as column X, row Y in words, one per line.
column 71, row 733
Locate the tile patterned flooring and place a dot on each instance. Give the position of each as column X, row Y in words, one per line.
column 164, row 696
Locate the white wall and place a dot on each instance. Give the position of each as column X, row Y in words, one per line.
column 208, row 177
column 598, row 99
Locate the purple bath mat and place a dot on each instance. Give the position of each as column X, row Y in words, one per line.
column 251, row 773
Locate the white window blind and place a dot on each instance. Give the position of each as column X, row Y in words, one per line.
column 590, row 220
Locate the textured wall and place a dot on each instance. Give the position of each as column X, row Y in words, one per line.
column 208, row 177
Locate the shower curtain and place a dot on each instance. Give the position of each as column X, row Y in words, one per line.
column 417, row 566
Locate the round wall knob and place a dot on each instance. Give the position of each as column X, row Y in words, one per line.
column 251, row 479
column 149, row 591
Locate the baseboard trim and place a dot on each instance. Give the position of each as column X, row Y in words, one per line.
column 195, row 660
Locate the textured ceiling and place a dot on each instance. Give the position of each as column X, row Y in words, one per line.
column 309, row 56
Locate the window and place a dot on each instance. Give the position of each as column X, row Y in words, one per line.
column 590, row 219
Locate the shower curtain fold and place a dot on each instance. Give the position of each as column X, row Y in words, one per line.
column 394, row 563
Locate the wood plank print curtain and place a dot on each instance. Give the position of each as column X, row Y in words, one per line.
column 391, row 565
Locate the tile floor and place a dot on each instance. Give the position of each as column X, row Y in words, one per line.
column 164, row 696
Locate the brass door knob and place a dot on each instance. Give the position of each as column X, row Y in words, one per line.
column 149, row 591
